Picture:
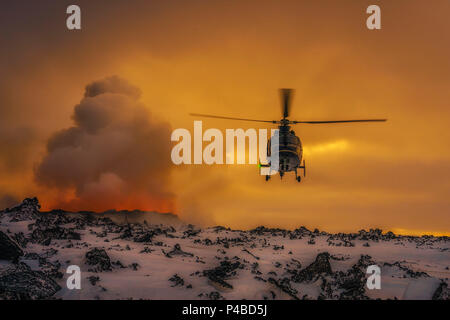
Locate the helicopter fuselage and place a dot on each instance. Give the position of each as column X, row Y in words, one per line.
column 290, row 150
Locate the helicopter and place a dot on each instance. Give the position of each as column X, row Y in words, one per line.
column 290, row 150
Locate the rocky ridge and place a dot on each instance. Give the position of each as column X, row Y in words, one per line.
column 219, row 263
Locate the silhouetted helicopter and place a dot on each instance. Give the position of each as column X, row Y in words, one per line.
column 290, row 146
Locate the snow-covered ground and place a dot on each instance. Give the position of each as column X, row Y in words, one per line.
column 173, row 260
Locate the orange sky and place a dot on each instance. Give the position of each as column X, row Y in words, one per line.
column 229, row 58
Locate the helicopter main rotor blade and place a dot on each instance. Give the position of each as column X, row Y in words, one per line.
column 339, row 121
column 286, row 98
column 230, row 118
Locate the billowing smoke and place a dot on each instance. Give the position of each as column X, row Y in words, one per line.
column 115, row 156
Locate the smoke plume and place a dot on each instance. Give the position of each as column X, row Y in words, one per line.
column 115, row 156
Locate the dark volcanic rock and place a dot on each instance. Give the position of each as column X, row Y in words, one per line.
column 9, row 250
column 353, row 283
column 44, row 236
column 142, row 233
column 20, row 239
column 177, row 280
column 177, row 251
column 191, row 233
column 320, row 266
column 99, row 259
column 27, row 210
column 442, row 292
column 284, row 285
column 127, row 233
column 256, row 257
column 222, row 272
column 31, row 256
column 214, row 295
column 21, row 283
column 93, row 280
column 134, row 266
column 349, row 285
column 118, row 264
column 261, row 230
column 144, row 237
column 50, row 269
column 300, row 233
column 408, row 272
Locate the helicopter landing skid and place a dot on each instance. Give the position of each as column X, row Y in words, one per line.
column 297, row 177
column 304, row 168
column 265, row 166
